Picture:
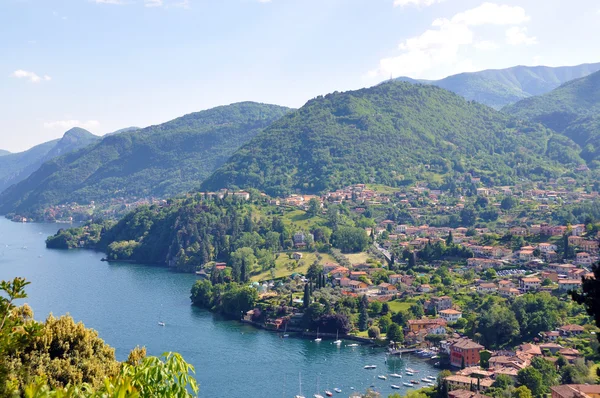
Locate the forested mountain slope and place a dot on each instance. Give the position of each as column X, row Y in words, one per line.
column 394, row 133
column 500, row 87
column 15, row 167
column 159, row 161
column 572, row 109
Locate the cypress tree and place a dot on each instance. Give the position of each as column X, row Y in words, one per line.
column 363, row 316
column 306, row 299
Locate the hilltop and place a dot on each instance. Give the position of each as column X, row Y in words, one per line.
column 394, row 133
column 15, row 167
column 571, row 109
column 501, row 87
column 159, row 161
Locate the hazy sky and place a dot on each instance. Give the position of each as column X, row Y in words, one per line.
column 108, row 64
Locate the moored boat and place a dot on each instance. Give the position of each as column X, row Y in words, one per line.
column 370, row 367
column 338, row 390
column 396, row 375
column 407, row 384
column 382, row 377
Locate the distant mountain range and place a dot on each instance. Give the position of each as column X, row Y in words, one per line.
column 500, row 87
column 394, row 133
column 15, row 167
column 572, row 109
column 160, row 161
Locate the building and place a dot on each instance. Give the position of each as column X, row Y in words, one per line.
column 459, row 393
column 487, row 288
column 387, row 288
column 425, row 288
column 395, row 279
column 571, row 330
column 450, row 315
column 458, row 382
column 416, row 325
column 527, row 284
column 576, row 391
column 566, row 285
column 297, row 256
column 583, row 258
column 464, row 352
column 441, row 303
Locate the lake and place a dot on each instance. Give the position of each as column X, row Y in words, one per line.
column 124, row 303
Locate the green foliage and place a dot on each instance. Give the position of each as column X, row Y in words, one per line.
column 537, row 312
column 395, row 333
column 392, row 134
column 571, row 109
column 159, row 161
column 350, row 239
column 61, row 358
column 374, row 332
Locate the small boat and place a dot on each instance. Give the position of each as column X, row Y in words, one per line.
column 382, row 377
column 370, row 367
column 337, row 340
column 425, row 380
column 415, row 382
column 318, row 340
column 431, row 384
column 407, row 384
column 318, row 396
column 339, row 390
column 300, row 381
column 432, row 378
column 285, row 334
column 395, row 387
column 396, row 375
column 353, row 345
column 328, row 393
column 410, row 373
column 161, row 323
column 411, row 370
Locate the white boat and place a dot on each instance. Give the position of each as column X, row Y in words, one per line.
column 410, row 373
column 318, row 340
column 338, row 390
column 317, row 395
column 425, row 380
column 353, row 345
column 431, row 384
column 285, row 334
column 395, row 387
column 370, row 367
column 328, row 393
column 382, row 377
column 396, row 375
column 405, row 384
column 337, row 340
column 161, row 323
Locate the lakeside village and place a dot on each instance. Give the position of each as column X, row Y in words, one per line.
column 491, row 304
column 474, row 278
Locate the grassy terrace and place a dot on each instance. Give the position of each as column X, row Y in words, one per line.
column 281, row 269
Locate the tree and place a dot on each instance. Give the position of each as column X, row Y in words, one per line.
column 468, row 216
column 417, row 310
column 522, row 392
column 484, row 359
column 242, row 264
column 590, row 296
column 385, row 322
column 350, row 239
column 375, row 308
column 449, row 239
column 201, row 294
column 507, row 203
column 314, row 271
column 497, row 326
column 532, row 379
column 363, row 315
column 503, row 381
column 395, row 333
column 306, row 298
column 374, row 332
column 314, row 207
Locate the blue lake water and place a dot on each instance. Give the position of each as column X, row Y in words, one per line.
column 124, row 303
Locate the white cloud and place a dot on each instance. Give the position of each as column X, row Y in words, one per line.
column 153, row 3
column 418, row 3
column 31, row 76
column 485, row 45
column 516, row 36
column 119, row 2
column 69, row 124
column 492, row 14
column 440, row 46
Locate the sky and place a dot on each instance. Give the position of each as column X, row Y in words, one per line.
column 108, row 64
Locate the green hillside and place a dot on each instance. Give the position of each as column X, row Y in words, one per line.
column 501, row 87
column 160, row 161
column 572, row 109
column 15, row 167
column 394, row 133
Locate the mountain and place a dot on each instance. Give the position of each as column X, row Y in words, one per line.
column 160, row 161
column 124, row 130
column 15, row 167
column 572, row 109
column 3, row 152
column 501, row 87
column 394, row 133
